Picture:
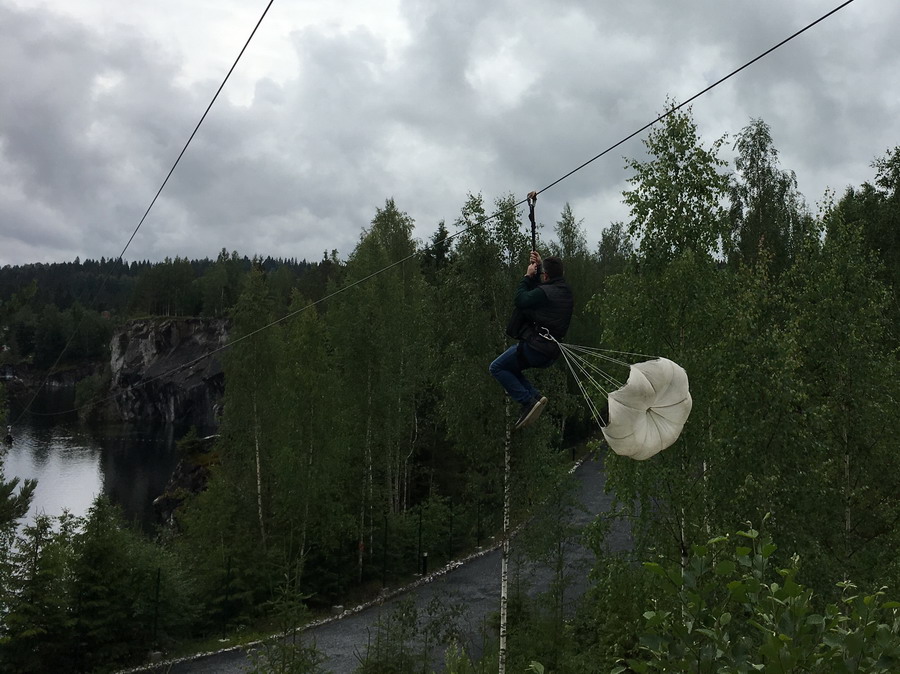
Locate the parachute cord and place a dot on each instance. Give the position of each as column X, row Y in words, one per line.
column 590, row 402
column 572, row 360
column 579, row 364
column 597, row 351
column 587, row 367
column 600, row 356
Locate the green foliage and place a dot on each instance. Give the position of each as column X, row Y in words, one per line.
column 366, row 431
column 608, row 621
column 15, row 498
column 405, row 639
column 675, row 198
column 287, row 653
column 729, row 609
column 128, row 594
column 615, row 251
column 90, row 391
column 41, row 304
column 436, row 256
column 767, row 213
column 848, row 370
column 672, row 310
column 85, row 595
column 873, row 207
column 37, row 629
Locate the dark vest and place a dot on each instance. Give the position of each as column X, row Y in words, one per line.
column 555, row 316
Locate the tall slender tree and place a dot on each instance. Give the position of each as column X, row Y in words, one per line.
column 767, row 212
column 666, row 306
column 377, row 337
column 840, row 322
column 676, row 194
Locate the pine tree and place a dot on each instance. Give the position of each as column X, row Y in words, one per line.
column 36, row 624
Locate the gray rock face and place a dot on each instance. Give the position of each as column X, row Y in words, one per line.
column 152, row 380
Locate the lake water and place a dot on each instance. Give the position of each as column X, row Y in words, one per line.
column 73, row 463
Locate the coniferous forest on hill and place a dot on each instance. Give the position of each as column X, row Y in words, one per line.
column 366, row 429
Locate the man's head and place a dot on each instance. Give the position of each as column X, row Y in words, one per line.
column 552, row 267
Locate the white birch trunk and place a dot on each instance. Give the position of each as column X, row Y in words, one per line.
column 370, row 469
column 504, row 558
column 847, row 497
column 305, row 527
column 259, row 503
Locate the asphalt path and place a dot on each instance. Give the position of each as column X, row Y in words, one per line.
column 472, row 584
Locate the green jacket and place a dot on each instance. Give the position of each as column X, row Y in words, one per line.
column 541, row 306
column 529, row 295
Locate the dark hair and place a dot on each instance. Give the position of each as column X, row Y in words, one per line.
column 552, row 266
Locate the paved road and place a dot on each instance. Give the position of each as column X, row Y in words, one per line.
column 474, row 584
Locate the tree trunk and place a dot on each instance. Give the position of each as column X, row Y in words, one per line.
column 305, row 525
column 504, row 559
column 259, row 503
column 367, row 479
column 848, row 496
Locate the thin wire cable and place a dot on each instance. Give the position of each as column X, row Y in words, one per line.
column 103, row 281
column 696, row 96
column 483, row 220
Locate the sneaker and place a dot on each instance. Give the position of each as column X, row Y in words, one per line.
column 530, row 412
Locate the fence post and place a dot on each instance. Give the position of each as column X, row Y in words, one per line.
column 384, row 553
column 478, row 523
column 450, row 536
column 419, row 549
column 227, row 598
column 156, row 603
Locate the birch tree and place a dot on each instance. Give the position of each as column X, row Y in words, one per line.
column 675, row 195
column 849, row 367
column 667, row 305
column 377, row 333
column 767, row 212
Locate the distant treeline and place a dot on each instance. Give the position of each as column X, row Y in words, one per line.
column 41, row 304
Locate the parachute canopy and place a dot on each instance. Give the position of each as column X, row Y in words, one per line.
column 647, row 414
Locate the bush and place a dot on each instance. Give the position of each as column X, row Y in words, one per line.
column 728, row 609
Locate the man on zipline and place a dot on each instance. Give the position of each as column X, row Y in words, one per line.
column 542, row 305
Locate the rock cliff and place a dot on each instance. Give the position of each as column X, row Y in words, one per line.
column 149, row 379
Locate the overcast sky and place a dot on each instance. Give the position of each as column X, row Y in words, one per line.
column 337, row 106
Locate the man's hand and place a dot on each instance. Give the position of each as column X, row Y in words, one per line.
column 535, row 262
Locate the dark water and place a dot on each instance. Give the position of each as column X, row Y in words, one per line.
column 73, row 463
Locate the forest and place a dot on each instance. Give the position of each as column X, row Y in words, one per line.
column 366, row 429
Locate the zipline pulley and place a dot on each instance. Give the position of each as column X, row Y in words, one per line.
column 532, row 200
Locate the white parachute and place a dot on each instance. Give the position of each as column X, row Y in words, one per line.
column 647, row 413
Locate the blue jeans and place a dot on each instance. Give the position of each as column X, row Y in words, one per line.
column 507, row 369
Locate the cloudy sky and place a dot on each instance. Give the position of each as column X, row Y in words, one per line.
column 337, row 106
